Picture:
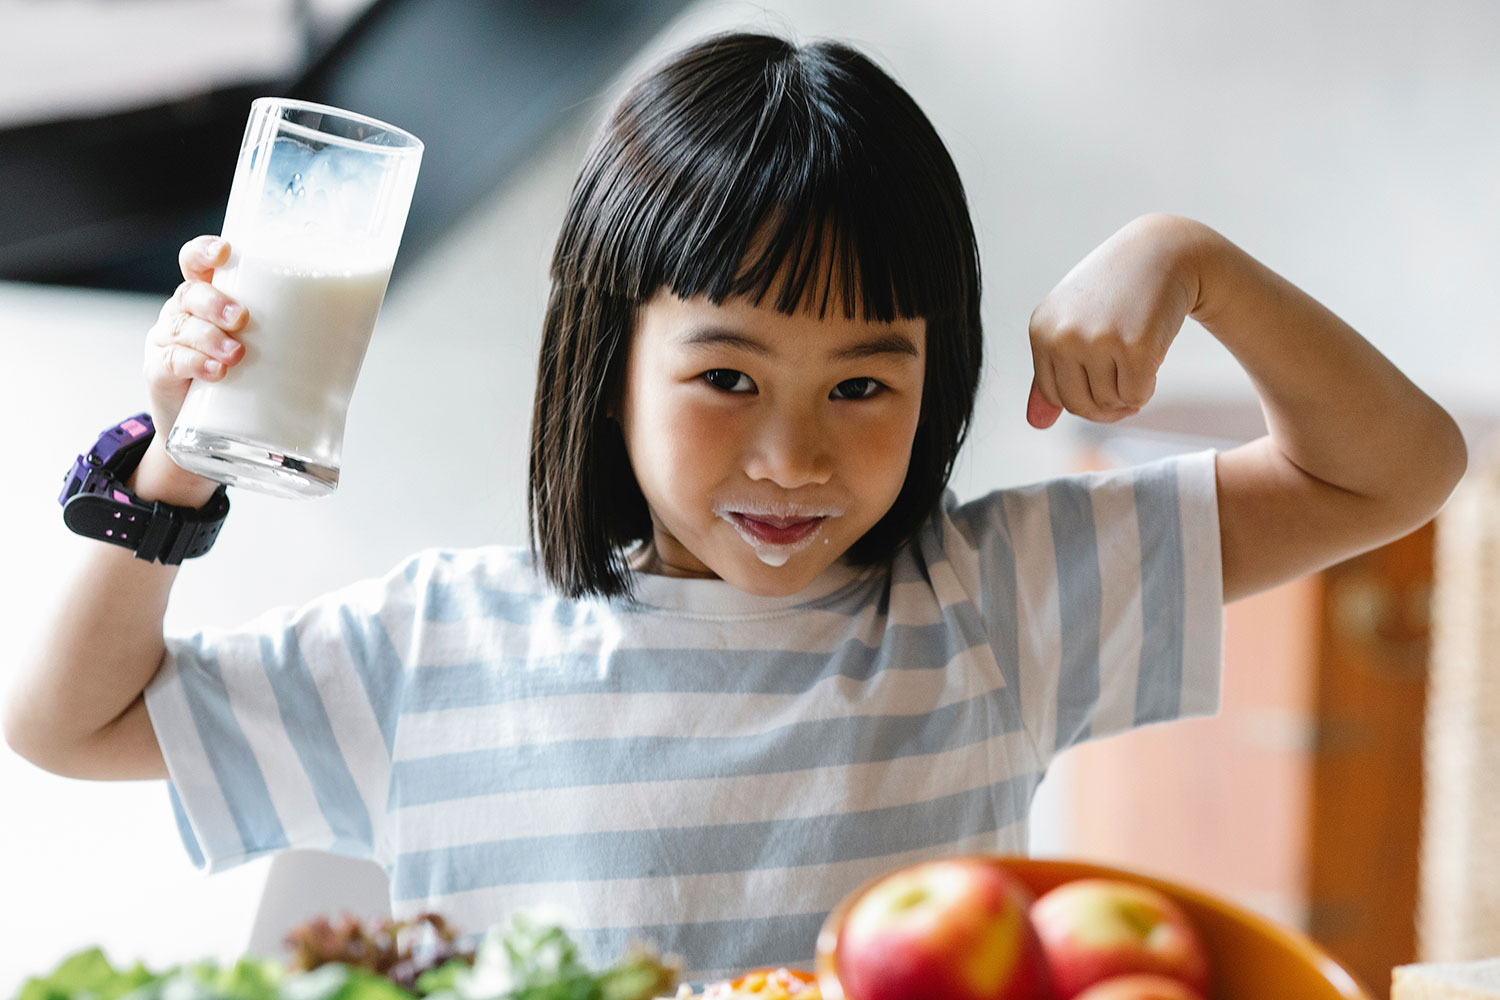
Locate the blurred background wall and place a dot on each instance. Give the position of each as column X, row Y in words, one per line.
column 1349, row 145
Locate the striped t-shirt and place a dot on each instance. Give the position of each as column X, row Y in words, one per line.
column 705, row 769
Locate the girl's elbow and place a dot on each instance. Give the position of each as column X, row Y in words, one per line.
column 1443, row 464
column 32, row 738
column 1455, row 452
column 20, row 734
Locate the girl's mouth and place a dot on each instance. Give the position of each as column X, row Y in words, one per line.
column 776, row 530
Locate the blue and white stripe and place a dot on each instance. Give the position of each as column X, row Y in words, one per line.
column 706, row 769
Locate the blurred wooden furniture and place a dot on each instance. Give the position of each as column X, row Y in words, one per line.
column 1302, row 798
column 1458, row 911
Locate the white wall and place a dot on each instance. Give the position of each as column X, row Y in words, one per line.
column 68, row 58
column 1349, row 145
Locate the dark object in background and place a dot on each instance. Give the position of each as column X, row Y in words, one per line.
column 106, row 202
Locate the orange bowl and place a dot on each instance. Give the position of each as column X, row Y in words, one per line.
column 1253, row 958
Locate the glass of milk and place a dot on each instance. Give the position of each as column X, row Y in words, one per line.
column 315, row 215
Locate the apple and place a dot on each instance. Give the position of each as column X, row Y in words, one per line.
column 951, row 929
column 1096, row 928
column 1139, row 987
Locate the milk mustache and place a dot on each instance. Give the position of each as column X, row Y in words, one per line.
column 309, row 325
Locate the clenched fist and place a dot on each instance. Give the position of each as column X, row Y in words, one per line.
column 1099, row 337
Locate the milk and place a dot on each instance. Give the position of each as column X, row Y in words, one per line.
column 309, row 325
column 314, row 219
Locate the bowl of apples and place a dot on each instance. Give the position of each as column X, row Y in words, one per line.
column 998, row 927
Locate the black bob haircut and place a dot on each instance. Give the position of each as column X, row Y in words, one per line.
column 745, row 141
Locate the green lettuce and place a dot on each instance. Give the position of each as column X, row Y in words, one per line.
column 521, row 960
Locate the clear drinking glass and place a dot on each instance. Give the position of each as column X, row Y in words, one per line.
column 315, row 215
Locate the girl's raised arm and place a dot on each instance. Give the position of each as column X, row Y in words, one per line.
column 1356, row 456
column 77, row 707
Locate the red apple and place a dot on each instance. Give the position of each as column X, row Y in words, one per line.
column 954, row 929
column 1096, row 928
column 1139, row 987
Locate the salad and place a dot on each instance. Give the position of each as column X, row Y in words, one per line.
column 421, row 959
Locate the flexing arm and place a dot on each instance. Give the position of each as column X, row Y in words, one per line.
column 78, row 707
column 1356, row 455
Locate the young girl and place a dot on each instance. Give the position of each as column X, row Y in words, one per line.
column 757, row 654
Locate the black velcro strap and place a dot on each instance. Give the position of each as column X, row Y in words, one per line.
column 161, row 533
column 154, row 532
column 108, row 520
column 199, row 528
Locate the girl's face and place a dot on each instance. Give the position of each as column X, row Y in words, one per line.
column 765, row 444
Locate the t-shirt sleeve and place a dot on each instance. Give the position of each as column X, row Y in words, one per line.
column 280, row 734
column 1102, row 595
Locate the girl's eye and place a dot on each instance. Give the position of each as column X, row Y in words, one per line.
column 858, row 388
column 729, row 380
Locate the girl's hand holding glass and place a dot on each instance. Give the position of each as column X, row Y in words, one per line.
column 192, row 338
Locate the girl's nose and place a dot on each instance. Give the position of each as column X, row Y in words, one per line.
column 791, row 450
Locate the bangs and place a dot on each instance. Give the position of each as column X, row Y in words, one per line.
column 746, row 167
column 812, row 178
